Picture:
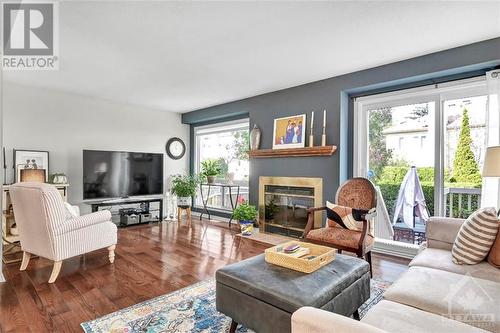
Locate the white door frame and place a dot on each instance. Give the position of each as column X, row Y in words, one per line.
column 2, row 279
column 432, row 93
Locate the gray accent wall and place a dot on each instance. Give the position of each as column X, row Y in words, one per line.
column 336, row 96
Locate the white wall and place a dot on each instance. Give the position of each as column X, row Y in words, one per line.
column 64, row 124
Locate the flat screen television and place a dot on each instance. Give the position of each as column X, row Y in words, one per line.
column 119, row 174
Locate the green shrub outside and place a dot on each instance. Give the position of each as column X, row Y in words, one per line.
column 390, row 193
column 396, row 174
column 390, row 182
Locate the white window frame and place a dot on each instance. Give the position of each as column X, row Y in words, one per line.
column 232, row 125
column 437, row 93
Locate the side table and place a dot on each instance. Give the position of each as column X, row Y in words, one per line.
column 230, row 187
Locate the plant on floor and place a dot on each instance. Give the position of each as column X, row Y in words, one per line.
column 211, row 168
column 245, row 212
column 246, row 215
column 184, row 186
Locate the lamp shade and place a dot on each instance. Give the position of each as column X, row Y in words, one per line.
column 33, row 175
column 491, row 166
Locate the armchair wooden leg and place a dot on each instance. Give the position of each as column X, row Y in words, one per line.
column 368, row 257
column 111, row 250
column 55, row 271
column 26, row 260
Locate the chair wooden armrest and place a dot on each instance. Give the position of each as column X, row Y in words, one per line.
column 310, row 220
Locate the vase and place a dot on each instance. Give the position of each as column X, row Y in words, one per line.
column 210, row 179
column 183, row 202
column 246, row 227
column 255, row 138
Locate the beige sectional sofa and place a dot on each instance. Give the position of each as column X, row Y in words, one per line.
column 434, row 295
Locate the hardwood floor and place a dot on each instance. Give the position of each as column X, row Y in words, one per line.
column 151, row 260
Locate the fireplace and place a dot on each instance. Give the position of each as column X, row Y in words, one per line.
column 283, row 204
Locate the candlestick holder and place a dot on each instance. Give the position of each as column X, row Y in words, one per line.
column 323, row 137
column 311, row 140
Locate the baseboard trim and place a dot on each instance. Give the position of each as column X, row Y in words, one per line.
column 397, row 249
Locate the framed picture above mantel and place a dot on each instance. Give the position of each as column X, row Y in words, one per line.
column 30, row 159
column 289, row 132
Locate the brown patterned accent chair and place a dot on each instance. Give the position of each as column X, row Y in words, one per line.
column 359, row 193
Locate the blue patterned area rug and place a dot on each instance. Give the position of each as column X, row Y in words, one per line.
column 191, row 309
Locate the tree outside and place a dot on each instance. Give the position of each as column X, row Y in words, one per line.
column 465, row 168
column 380, row 156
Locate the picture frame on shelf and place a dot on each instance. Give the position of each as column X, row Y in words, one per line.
column 30, row 159
column 289, row 132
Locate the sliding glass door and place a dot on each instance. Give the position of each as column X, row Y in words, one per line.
column 423, row 148
column 401, row 137
column 464, row 148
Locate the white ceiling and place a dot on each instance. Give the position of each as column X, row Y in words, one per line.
column 182, row 56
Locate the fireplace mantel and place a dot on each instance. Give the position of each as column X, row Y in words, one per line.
column 293, row 152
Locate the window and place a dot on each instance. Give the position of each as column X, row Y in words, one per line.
column 227, row 143
column 441, row 131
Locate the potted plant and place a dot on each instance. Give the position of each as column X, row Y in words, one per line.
column 246, row 215
column 184, row 187
column 210, row 169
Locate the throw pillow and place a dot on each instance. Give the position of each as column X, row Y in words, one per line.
column 494, row 255
column 475, row 237
column 347, row 217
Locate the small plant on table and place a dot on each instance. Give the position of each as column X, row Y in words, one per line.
column 211, row 168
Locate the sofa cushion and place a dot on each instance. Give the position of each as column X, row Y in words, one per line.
column 494, row 255
column 475, row 238
column 441, row 259
column 396, row 318
column 339, row 236
column 312, row 320
column 463, row 298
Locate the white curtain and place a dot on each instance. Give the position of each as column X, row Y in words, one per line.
column 490, row 194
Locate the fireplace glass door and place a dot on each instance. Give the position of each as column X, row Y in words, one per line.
column 285, row 209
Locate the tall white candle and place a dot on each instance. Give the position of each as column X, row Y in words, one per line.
column 312, row 119
column 324, row 118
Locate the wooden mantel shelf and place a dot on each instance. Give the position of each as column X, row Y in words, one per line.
column 294, row 152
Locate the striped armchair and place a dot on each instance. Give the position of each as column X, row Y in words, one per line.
column 47, row 228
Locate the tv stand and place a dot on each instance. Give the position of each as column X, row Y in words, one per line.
column 95, row 205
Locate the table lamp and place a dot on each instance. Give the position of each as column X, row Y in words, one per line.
column 33, row 175
column 491, row 166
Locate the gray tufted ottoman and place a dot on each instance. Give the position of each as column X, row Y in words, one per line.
column 263, row 296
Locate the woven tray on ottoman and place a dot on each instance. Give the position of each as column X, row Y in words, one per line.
column 263, row 296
